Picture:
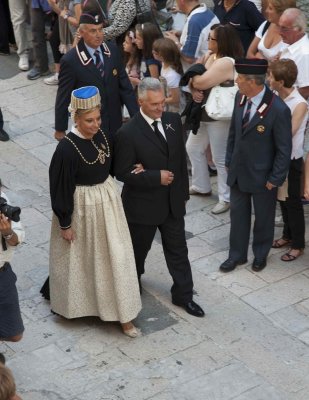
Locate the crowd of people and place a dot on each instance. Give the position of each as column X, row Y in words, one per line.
column 127, row 83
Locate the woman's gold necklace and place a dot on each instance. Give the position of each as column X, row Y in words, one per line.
column 101, row 152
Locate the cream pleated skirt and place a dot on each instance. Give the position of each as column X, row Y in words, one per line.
column 96, row 274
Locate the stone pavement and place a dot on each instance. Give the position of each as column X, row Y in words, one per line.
column 252, row 344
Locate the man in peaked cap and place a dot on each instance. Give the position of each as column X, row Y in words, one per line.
column 94, row 62
column 257, row 158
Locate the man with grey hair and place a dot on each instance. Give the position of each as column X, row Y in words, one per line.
column 293, row 25
column 257, row 158
column 156, row 198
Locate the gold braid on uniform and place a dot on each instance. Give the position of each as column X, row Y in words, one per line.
column 101, row 152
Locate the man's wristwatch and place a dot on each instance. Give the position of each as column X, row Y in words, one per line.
column 66, row 16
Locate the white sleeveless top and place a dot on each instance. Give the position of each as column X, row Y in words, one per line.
column 272, row 52
column 292, row 101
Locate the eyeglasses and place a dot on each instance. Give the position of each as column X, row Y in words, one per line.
column 286, row 29
column 211, row 38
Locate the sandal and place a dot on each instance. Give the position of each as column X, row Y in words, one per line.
column 287, row 257
column 130, row 330
column 282, row 242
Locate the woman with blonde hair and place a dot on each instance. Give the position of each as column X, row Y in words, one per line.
column 92, row 266
column 268, row 43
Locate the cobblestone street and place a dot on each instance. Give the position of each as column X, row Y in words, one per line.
column 252, row 344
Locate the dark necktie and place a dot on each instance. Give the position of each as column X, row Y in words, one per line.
column 98, row 62
column 246, row 117
column 159, row 134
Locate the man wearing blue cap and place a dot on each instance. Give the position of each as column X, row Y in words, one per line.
column 94, row 62
column 257, row 158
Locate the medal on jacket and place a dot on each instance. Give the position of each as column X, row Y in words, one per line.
column 260, row 129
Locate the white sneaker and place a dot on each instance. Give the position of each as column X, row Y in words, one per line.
column 52, row 80
column 23, row 63
column 220, row 207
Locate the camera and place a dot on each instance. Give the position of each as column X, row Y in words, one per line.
column 11, row 212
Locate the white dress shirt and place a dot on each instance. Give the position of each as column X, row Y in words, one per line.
column 150, row 122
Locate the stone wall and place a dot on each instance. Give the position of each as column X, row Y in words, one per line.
column 304, row 6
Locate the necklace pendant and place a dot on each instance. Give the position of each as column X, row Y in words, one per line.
column 101, row 157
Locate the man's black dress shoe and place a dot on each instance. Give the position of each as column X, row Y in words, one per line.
column 229, row 264
column 259, row 264
column 4, row 137
column 191, row 307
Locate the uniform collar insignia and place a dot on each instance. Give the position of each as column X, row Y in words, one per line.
column 84, row 57
column 83, row 54
column 266, row 103
column 106, row 49
column 242, row 100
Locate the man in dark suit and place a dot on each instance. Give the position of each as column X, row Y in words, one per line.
column 156, row 197
column 94, row 63
column 257, row 157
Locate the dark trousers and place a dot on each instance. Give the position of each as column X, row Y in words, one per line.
column 292, row 209
column 38, row 20
column 54, row 42
column 11, row 323
column 6, row 28
column 175, row 251
column 264, row 204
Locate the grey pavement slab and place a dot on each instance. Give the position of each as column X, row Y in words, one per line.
column 253, row 343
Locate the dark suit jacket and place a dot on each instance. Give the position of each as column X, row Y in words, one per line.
column 77, row 69
column 261, row 152
column 145, row 200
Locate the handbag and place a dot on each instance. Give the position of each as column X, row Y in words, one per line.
column 220, row 103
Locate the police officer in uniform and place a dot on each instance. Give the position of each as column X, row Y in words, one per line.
column 94, row 62
column 257, row 158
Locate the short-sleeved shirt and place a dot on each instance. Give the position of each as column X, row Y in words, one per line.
column 244, row 16
column 42, row 4
column 299, row 53
column 146, row 62
column 194, row 37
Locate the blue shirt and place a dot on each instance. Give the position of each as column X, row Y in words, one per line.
column 244, row 16
column 43, row 4
column 91, row 51
column 256, row 101
column 145, row 63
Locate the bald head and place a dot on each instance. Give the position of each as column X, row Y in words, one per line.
column 293, row 25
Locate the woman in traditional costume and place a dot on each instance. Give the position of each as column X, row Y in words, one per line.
column 92, row 267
